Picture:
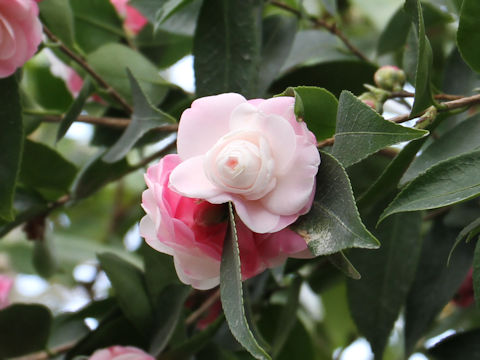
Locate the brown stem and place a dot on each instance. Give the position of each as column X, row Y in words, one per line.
column 80, row 61
column 332, row 28
column 212, row 299
column 106, row 121
column 44, row 355
column 406, row 94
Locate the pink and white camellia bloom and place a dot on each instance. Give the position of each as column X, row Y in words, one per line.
column 253, row 153
column 6, row 283
column 134, row 21
column 20, row 34
column 121, row 353
column 193, row 231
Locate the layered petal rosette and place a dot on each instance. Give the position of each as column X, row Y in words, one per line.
column 253, row 153
column 20, row 34
column 193, row 231
column 121, row 353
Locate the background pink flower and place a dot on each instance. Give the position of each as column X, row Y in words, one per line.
column 134, row 21
column 21, row 33
column 193, row 230
column 6, row 283
column 253, row 153
column 121, row 353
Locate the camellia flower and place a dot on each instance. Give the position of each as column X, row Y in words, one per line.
column 134, row 21
column 20, row 34
column 253, row 153
column 6, row 283
column 193, row 231
column 121, row 353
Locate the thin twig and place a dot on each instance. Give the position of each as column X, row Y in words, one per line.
column 406, row 94
column 332, row 28
column 212, row 299
column 44, row 355
column 115, row 122
column 80, row 61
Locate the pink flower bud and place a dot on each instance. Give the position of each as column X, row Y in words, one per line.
column 6, row 283
column 193, row 231
column 21, row 33
column 121, row 353
column 134, row 21
column 390, row 78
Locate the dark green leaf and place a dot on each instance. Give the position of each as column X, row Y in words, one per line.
column 394, row 35
column 58, row 16
column 75, row 109
column 468, row 34
column 66, row 329
column 44, row 259
column 168, row 308
column 461, row 139
column 278, row 35
column 333, row 223
column 317, row 107
column 115, row 72
column 435, row 283
column 169, row 7
column 231, row 292
column 288, row 318
column 423, row 91
column 462, row 345
column 226, row 47
column 449, row 182
column 41, row 169
column 24, row 329
column 471, row 230
column 376, row 299
column 11, row 144
column 342, row 263
column 96, row 24
column 361, row 131
column 96, row 174
column 130, row 289
column 144, row 118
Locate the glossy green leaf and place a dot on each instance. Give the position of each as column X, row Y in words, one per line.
column 58, row 16
column 377, row 298
column 361, row 131
column 130, row 289
column 424, row 63
column 333, row 223
column 75, row 109
column 288, row 317
column 11, row 144
column 462, row 345
column 317, row 107
column 461, row 139
column 278, row 35
column 24, row 328
column 169, row 7
column 67, row 328
column 41, row 166
column 168, row 308
column 435, row 283
column 476, row 274
column 96, row 174
column 342, row 263
column 96, row 24
column 226, row 47
column 144, row 118
column 115, row 72
column 449, row 182
column 468, row 34
column 469, row 232
column 231, row 293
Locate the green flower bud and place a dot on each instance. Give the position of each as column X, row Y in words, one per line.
column 390, row 78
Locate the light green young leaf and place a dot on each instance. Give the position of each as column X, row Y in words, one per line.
column 449, row 182
column 333, row 223
column 58, row 16
column 231, row 293
column 361, row 131
column 226, row 47
column 11, row 144
column 144, row 118
column 468, row 35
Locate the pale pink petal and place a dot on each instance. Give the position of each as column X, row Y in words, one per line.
column 188, row 179
column 204, row 123
column 282, row 106
column 195, row 269
column 255, row 216
column 147, row 231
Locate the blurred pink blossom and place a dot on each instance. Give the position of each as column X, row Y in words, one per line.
column 193, row 231
column 121, row 353
column 6, row 283
column 134, row 21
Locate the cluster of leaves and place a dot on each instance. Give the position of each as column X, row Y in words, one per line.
column 379, row 255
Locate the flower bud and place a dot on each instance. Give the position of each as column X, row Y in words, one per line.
column 390, row 78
